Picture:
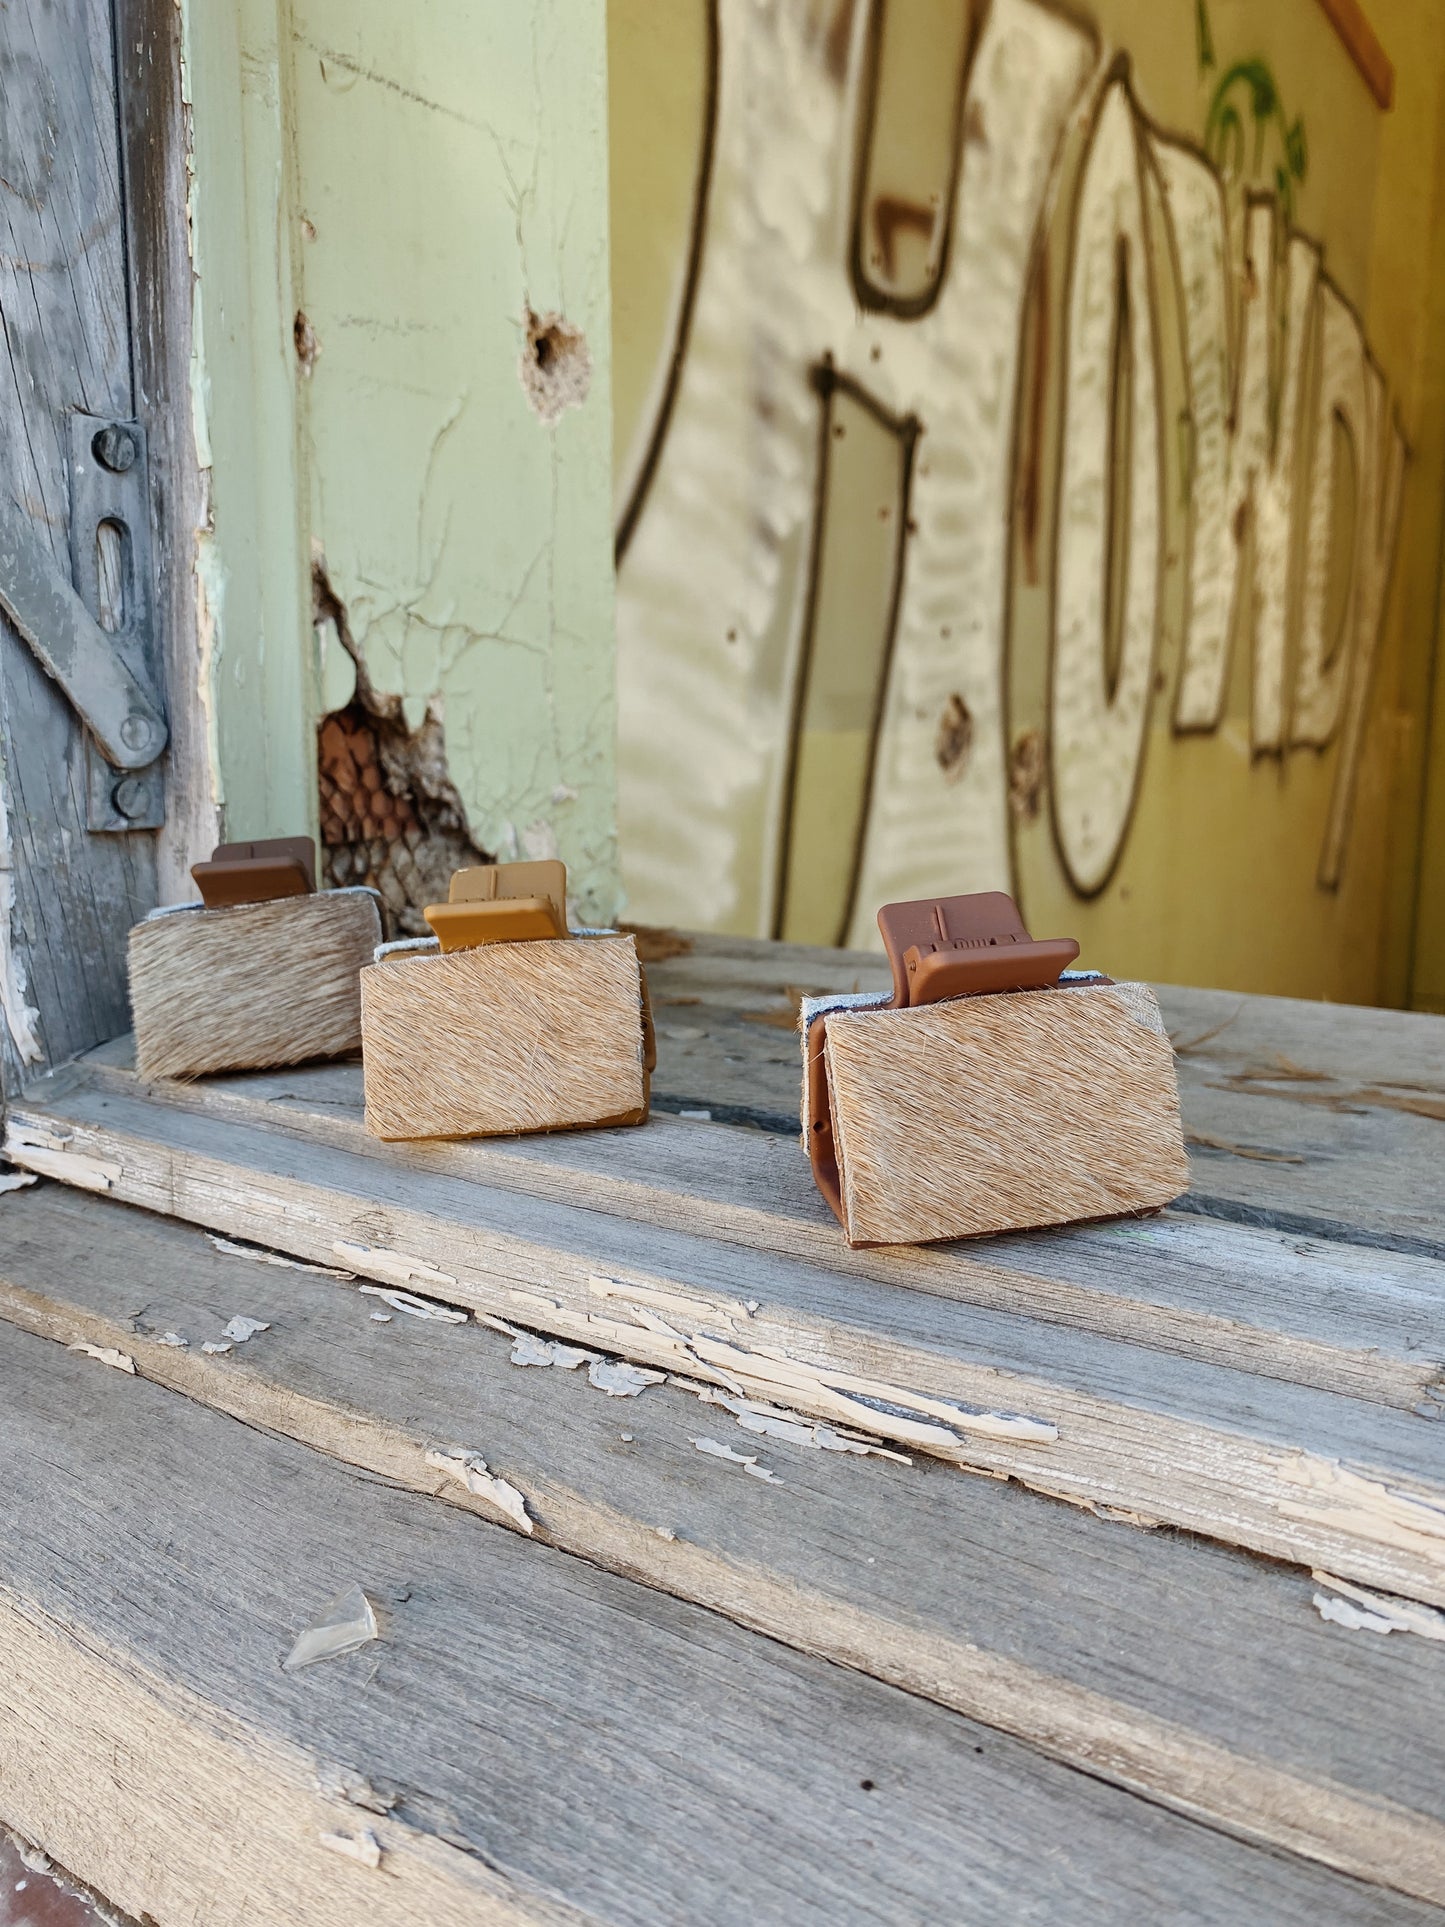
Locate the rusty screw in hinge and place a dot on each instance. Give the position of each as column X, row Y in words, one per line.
column 115, row 448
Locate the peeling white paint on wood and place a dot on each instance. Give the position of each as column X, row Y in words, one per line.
column 47, row 1153
column 363, row 1847
column 793, row 1426
column 470, row 1469
column 528, row 1349
column 416, row 1307
column 242, row 1328
column 621, row 1380
column 1339, row 1496
column 1376, row 1612
column 16, row 1180
column 22, row 1019
column 229, row 1248
column 391, row 1267
column 49, row 1137
column 680, row 1303
column 107, row 1354
column 747, row 1460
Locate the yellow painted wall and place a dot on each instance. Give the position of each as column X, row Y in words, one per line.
column 415, row 182
column 1218, row 880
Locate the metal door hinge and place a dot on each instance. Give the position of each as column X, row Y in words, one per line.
column 110, row 558
column 110, row 675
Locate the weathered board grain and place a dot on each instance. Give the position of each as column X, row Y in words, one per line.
column 1365, row 1322
column 155, row 156
column 531, row 1739
column 1310, row 1476
column 64, row 308
column 1190, row 1674
column 498, row 1768
column 1317, row 1120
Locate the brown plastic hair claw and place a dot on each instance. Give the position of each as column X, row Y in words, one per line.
column 946, row 947
column 280, row 866
column 939, row 948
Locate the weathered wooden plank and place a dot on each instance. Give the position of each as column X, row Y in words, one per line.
column 1321, row 1120
column 1300, row 1474
column 698, row 1773
column 1318, row 1120
column 1191, row 1674
column 1282, row 1099
column 530, row 1739
column 64, row 310
column 1364, row 1322
column 1307, row 1118
column 155, row 155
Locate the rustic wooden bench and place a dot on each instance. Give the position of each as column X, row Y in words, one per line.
column 692, row 1603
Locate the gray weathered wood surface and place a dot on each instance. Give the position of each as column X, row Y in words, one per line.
column 156, row 156
column 1194, row 1675
column 1314, row 1120
column 1322, row 1478
column 1363, row 1321
column 64, row 307
column 1264, row 1369
column 531, row 1739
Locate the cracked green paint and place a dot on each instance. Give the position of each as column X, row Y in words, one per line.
column 413, row 184
column 445, row 183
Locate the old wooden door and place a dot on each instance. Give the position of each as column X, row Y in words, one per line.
column 85, row 96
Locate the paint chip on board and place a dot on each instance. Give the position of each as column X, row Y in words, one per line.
column 471, row 1470
column 363, row 1846
column 344, row 1625
column 796, row 1427
column 619, row 1379
column 241, row 1328
column 229, row 1248
column 16, row 1180
column 416, row 1307
column 530, row 1350
column 214, row 1347
column 1361, row 1610
column 748, row 1461
column 106, row 1354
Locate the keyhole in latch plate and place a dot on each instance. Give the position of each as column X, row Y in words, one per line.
column 112, row 569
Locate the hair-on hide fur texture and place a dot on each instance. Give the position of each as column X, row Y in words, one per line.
column 251, row 986
column 998, row 1113
column 507, row 1037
